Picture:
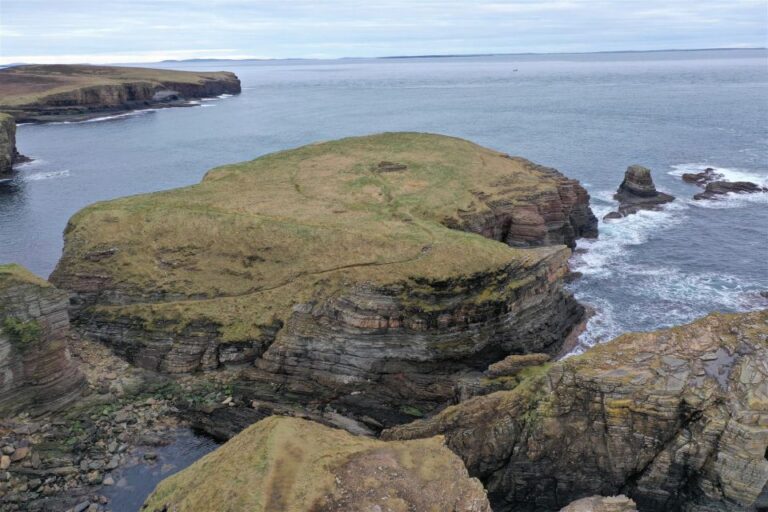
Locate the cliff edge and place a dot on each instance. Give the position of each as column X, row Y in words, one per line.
column 34, row 93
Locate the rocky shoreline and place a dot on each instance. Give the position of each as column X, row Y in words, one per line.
column 9, row 154
column 46, row 93
column 377, row 320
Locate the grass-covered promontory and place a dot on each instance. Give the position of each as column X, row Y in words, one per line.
column 38, row 92
column 255, row 238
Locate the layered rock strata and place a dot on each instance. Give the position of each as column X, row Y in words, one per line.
column 9, row 155
column 638, row 192
column 293, row 464
column 676, row 419
column 327, row 280
column 37, row 374
column 70, row 92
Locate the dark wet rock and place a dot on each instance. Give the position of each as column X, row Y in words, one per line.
column 638, row 192
column 702, row 178
column 719, row 188
column 9, row 155
column 612, row 216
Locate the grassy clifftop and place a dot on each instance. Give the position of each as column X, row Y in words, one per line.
column 35, row 84
column 257, row 237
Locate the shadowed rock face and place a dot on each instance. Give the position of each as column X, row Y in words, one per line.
column 366, row 273
column 36, row 372
column 287, row 464
column 8, row 153
column 638, row 192
column 676, row 419
column 70, row 92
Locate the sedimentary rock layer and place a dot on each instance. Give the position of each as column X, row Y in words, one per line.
column 36, row 372
column 638, row 192
column 8, row 152
column 64, row 92
column 292, row 464
column 362, row 271
column 676, row 419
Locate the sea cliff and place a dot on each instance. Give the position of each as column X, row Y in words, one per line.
column 367, row 274
column 33, row 93
column 9, row 155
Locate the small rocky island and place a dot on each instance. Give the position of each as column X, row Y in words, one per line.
column 637, row 192
column 9, row 155
column 40, row 93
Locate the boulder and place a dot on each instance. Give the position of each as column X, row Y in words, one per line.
column 283, row 463
column 37, row 374
column 638, row 192
column 719, row 188
column 618, row 503
column 676, row 419
column 367, row 274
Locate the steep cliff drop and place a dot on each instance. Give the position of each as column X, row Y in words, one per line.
column 9, row 155
column 675, row 419
column 40, row 93
column 366, row 275
column 36, row 372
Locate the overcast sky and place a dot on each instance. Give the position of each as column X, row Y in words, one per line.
column 101, row 31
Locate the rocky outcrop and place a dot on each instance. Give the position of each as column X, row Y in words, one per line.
column 676, row 419
column 702, row 178
column 602, row 504
column 71, row 92
column 716, row 189
column 9, row 155
column 292, row 464
column 329, row 281
column 637, row 192
column 36, row 372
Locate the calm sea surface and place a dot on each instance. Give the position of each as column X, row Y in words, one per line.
column 588, row 115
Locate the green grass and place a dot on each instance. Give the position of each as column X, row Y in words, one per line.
column 255, row 238
column 22, row 333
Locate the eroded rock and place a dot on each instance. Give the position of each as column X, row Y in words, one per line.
column 37, row 374
column 618, row 503
column 702, row 178
column 285, row 463
column 330, row 282
column 638, row 192
column 676, row 419
column 716, row 189
column 9, row 155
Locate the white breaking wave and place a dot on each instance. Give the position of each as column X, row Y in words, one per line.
column 224, row 96
column 47, row 175
column 731, row 200
column 729, row 173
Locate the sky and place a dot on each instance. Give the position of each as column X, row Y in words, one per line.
column 114, row 31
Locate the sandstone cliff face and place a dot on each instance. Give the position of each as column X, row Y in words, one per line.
column 293, row 465
column 676, row 419
column 350, row 273
column 36, row 372
column 8, row 152
column 63, row 92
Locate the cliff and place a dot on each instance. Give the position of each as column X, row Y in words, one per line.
column 330, row 277
column 290, row 464
column 67, row 92
column 676, row 419
column 8, row 153
column 36, row 372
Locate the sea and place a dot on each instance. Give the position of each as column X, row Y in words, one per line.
column 588, row 115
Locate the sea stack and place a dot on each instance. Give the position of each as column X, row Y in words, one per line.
column 638, row 192
column 36, row 372
column 9, row 155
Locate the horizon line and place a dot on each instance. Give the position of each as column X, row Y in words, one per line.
column 414, row 56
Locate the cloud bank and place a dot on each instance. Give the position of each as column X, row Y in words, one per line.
column 99, row 31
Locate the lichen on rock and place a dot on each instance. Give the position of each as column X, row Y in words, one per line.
column 676, row 419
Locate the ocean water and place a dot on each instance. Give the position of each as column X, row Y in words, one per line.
column 588, row 115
